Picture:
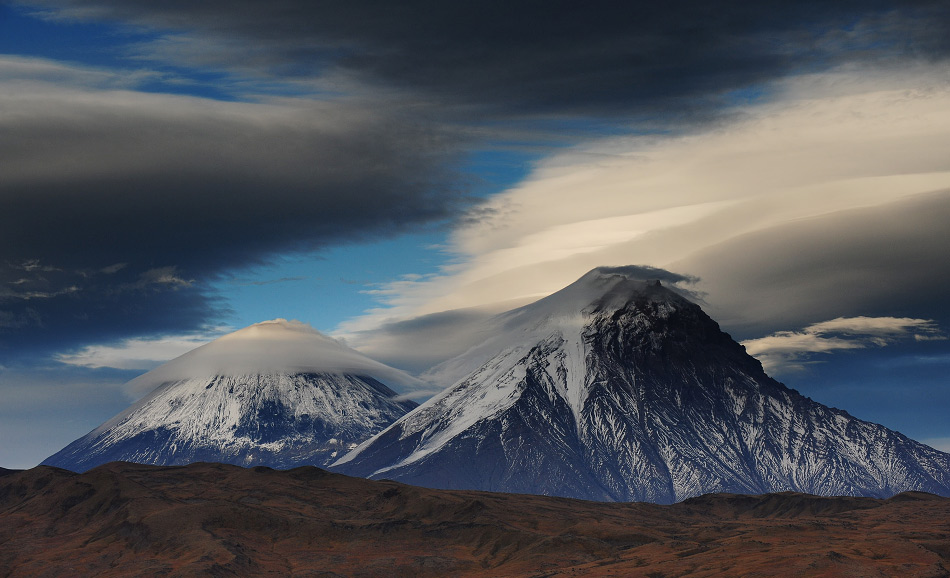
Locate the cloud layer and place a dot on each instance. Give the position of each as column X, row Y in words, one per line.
column 518, row 59
column 134, row 354
column 829, row 201
column 119, row 205
column 135, row 200
column 786, row 351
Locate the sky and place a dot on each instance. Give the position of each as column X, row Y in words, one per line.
column 392, row 172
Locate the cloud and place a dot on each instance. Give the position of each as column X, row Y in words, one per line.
column 450, row 333
column 786, row 351
column 247, row 283
column 942, row 444
column 162, row 278
column 886, row 260
column 136, row 354
column 517, row 60
column 113, row 268
column 443, row 335
column 278, row 345
column 819, row 204
column 106, row 191
column 389, row 98
column 25, row 74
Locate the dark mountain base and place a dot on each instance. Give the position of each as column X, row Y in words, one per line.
column 210, row 519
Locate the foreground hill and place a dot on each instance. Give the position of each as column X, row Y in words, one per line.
column 213, row 519
column 277, row 393
column 618, row 388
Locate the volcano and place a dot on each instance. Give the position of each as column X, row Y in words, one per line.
column 277, row 394
column 618, row 388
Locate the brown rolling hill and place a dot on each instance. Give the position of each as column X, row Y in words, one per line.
column 204, row 519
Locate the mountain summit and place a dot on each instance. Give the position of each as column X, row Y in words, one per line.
column 277, row 393
column 619, row 388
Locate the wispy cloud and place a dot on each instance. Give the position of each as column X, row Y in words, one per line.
column 35, row 265
column 115, row 268
column 786, row 351
column 139, row 354
column 8, row 294
column 162, row 277
column 23, row 74
column 249, row 283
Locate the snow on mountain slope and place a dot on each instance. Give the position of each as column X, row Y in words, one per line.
column 617, row 388
column 276, row 393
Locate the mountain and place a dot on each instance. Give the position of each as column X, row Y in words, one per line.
column 277, row 393
column 618, row 388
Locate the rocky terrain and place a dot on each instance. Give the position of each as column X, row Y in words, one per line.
column 219, row 520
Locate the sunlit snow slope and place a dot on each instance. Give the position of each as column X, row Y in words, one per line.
column 617, row 388
column 276, row 393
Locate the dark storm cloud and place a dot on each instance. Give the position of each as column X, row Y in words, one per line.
column 206, row 183
column 96, row 310
column 119, row 207
column 514, row 59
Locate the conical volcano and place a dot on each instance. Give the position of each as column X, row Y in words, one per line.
column 618, row 388
column 277, row 393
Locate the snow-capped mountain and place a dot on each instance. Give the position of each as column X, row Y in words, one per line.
column 618, row 388
column 277, row 393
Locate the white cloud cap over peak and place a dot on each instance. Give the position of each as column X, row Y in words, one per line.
column 276, row 346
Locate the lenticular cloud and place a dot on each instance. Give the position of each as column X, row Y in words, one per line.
column 269, row 347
